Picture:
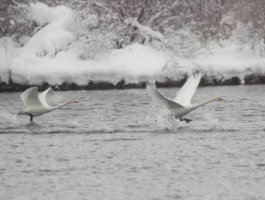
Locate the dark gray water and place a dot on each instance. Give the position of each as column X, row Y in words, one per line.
column 115, row 145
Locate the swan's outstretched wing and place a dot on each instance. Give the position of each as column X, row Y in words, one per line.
column 30, row 97
column 46, row 96
column 188, row 89
column 161, row 99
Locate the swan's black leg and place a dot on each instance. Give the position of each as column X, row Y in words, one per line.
column 31, row 117
column 185, row 119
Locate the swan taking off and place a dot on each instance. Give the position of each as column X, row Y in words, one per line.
column 36, row 104
column 181, row 105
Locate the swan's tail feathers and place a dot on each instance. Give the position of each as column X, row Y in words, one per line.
column 73, row 101
column 150, row 84
column 147, row 84
column 152, row 92
column 151, row 89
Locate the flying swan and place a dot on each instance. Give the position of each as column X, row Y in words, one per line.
column 36, row 104
column 181, row 105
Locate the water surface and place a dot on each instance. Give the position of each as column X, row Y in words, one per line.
column 115, row 145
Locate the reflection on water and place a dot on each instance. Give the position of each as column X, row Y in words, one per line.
column 116, row 145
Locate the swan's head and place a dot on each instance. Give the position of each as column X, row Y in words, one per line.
column 73, row 101
column 217, row 98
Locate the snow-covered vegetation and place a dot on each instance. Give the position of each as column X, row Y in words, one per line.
column 78, row 41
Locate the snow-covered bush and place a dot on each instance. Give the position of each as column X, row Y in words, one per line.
column 249, row 26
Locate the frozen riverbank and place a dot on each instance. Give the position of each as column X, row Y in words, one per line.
column 104, row 85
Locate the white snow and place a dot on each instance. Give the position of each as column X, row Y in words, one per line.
column 49, row 56
column 43, row 14
column 145, row 30
column 226, row 60
column 231, row 58
column 133, row 61
column 53, row 37
column 6, row 44
column 45, row 57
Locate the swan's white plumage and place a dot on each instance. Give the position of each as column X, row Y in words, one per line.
column 187, row 91
column 45, row 96
column 181, row 105
column 30, row 97
column 37, row 104
column 161, row 99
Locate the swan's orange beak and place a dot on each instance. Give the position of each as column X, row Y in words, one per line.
column 218, row 98
column 73, row 101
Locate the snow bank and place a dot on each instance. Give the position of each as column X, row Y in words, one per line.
column 53, row 37
column 134, row 60
column 130, row 63
column 48, row 56
column 43, row 14
column 226, row 61
column 230, row 59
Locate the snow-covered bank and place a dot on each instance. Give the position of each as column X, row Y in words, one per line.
column 49, row 56
column 54, row 36
column 105, row 85
column 132, row 62
column 52, row 56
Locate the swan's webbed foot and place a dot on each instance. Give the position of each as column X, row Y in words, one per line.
column 185, row 119
column 31, row 117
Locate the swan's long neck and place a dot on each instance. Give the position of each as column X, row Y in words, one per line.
column 203, row 103
column 60, row 106
column 64, row 104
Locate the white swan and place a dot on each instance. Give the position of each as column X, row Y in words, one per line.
column 36, row 104
column 181, row 105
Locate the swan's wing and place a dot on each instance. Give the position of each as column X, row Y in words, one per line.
column 46, row 96
column 161, row 99
column 30, row 97
column 188, row 89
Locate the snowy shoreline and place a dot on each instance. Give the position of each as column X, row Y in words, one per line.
column 122, row 84
column 62, row 53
